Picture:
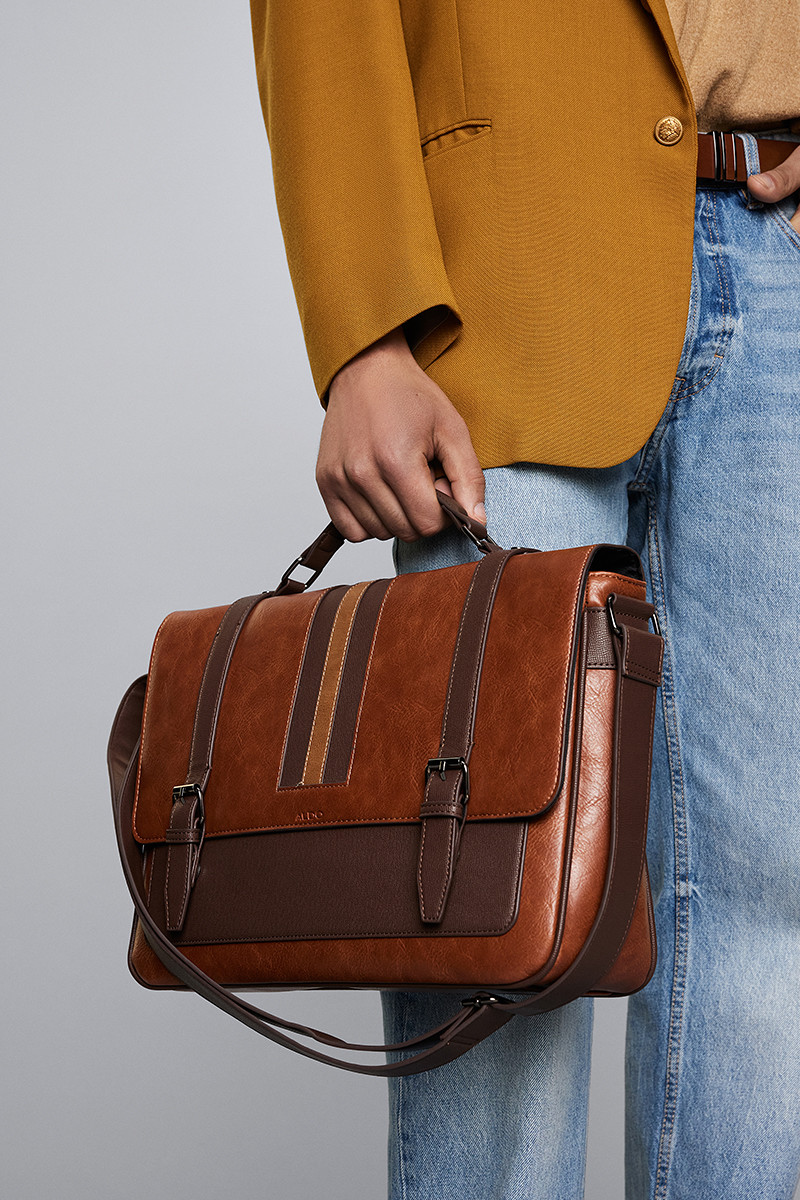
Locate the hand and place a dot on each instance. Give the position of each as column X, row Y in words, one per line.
column 779, row 182
column 388, row 432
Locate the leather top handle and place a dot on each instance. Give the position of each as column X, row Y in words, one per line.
column 316, row 556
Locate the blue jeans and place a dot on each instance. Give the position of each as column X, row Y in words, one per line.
column 712, row 504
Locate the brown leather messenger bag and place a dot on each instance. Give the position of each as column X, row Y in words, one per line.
column 437, row 781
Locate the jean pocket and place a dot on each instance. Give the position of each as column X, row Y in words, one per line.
column 781, row 211
column 455, row 135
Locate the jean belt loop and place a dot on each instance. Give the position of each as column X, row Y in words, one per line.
column 753, row 164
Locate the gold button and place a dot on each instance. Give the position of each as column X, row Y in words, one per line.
column 668, row 131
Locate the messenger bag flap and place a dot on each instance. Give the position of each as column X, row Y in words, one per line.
column 345, row 688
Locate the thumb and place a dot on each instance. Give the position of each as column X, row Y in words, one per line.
column 463, row 471
column 765, row 183
column 780, row 181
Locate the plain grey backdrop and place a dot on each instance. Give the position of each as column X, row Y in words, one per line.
column 161, row 430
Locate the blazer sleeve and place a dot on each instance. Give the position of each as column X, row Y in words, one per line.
column 355, row 212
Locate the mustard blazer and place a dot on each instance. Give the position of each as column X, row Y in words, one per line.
column 486, row 173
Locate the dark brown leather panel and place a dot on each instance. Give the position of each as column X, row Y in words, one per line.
column 506, row 960
column 307, row 688
column 351, row 691
column 247, row 889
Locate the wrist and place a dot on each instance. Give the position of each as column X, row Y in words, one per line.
column 392, row 345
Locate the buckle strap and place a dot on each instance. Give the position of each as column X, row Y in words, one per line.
column 444, row 805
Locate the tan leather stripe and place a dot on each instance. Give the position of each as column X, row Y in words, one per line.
column 307, row 689
column 329, row 684
column 354, row 674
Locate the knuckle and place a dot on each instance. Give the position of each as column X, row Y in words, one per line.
column 393, row 463
column 360, row 471
column 328, row 477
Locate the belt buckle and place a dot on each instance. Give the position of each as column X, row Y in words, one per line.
column 721, row 162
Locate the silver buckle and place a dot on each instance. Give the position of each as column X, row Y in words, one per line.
column 440, row 765
column 612, row 617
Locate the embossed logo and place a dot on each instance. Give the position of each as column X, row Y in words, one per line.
column 309, row 816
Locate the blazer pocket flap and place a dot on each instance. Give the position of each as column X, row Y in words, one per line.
column 454, row 135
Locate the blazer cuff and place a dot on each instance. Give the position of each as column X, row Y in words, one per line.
column 428, row 332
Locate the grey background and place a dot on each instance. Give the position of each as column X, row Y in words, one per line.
column 161, row 433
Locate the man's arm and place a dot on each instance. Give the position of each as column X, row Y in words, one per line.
column 364, row 257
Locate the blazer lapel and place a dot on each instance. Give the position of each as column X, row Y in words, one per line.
column 660, row 14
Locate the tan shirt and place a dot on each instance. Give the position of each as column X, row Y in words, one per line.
column 742, row 59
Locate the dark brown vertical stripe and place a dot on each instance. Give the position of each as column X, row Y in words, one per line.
column 340, row 747
column 329, row 684
column 305, row 699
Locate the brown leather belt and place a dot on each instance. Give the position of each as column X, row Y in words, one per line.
column 721, row 159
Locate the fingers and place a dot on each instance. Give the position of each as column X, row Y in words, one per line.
column 393, row 494
column 779, row 182
column 361, row 505
column 462, row 468
column 393, row 498
column 389, row 433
